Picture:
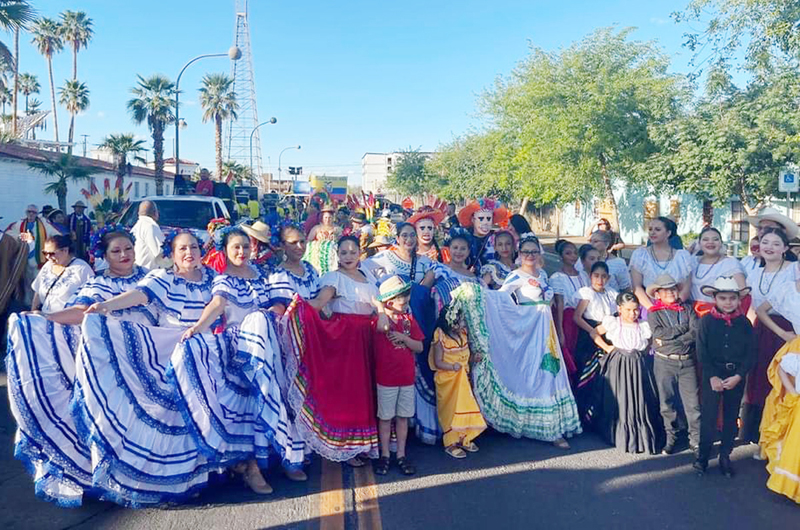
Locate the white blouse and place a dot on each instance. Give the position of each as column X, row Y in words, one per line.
column 679, row 267
column 524, row 286
column 352, row 297
column 600, row 305
column 567, row 286
column 786, row 300
column 55, row 290
column 707, row 274
column 244, row 295
column 770, row 286
column 749, row 264
column 619, row 277
column 791, row 364
column 626, row 336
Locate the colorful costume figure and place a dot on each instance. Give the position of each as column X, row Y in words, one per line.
column 143, row 451
column 459, row 414
column 435, row 213
column 480, row 216
column 321, row 251
column 521, row 384
column 333, row 392
column 624, row 407
column 41, row 377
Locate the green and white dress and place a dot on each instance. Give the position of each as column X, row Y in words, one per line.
column 521, row 384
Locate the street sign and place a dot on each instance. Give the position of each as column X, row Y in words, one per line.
column 788, row 180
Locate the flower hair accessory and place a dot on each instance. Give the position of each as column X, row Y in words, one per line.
column 216, row 224
column 528, row 237
column 166, row 246
column 221, row 234
column 458, row 233
column 96, row 243
column 286, row 223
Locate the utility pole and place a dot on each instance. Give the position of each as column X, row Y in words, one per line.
column 85, row 136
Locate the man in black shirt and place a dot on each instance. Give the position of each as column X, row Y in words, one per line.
column 726, row 348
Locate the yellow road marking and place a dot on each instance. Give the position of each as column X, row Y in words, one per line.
column 331, row 497
column 366, row 499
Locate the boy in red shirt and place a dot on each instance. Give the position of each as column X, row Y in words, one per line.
column 394, row 348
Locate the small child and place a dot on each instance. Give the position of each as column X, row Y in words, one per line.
column 726, row 348
column 394, row 348
column 459, row 414
column 674, row 327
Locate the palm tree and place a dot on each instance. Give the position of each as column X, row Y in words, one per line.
column 219, row 103
column 5, row 98
column 47, row 38
column 34, row 107
column 74, row 95
column 28, row 84
column 14, row 15
column 241, row 173
column 122, row 145
column 76, row 29
column 64, row 170
column 153, row 102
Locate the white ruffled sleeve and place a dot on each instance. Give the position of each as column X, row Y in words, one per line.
column 644, row 330
column 791, row 364
column 684, row 264
column 639, row 260
column 558, row 284
column 331, row 279
column 611, row 324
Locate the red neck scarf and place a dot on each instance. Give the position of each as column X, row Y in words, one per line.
column 659, row 305
column 727, row 317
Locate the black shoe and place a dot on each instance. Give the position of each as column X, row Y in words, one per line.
column 695, row 449
column 725, row 466
column 669, row 449
column 700, row 466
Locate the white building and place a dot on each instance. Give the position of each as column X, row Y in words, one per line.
column 375, row 167
column 22, row 185
column 187, row 167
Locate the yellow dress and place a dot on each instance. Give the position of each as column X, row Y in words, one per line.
column 459, row 414
column 780, row 430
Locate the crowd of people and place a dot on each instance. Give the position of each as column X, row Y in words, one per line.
column 157, row 363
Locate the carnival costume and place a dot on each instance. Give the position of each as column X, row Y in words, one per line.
column 521, row 384
column 333, row 391
column 321, row 253
column 41, row 377
column 482, row 245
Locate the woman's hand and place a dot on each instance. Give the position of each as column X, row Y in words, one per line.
column 189, row 333
column 397, row 338
column 97, row 307
column 594, row 334
column 383, row 323
column 455, row 367
column 608, row 348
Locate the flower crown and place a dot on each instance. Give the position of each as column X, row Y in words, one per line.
column 216, row 224
column 288, row 222
column 458, row 233
column 528, row 237
column 96, row 243
column 166, row 246
column 220, row 235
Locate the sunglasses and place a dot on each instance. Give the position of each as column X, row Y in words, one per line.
column 51, row 254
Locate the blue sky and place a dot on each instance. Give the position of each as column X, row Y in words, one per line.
column 342, row 78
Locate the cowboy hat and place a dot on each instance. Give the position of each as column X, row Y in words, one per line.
column 359, row 217
column 79, row 204
column 380, row 241
column 257, row 230
column 771, row 214
column 328, row 207
column 391, row 287
column 724, row 285
column 427, row 212
column 499, row 212
column 664, row 281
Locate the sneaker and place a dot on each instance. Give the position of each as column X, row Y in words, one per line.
column 700, row 467
column 669, row 449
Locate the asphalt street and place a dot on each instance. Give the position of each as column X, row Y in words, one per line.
column 510, row 483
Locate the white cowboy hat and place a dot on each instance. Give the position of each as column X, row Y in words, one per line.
column 724, row 285
column 664, row 281
column 771, row 214
column 257, row 230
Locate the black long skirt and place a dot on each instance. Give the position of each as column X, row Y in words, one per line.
column 623, row 401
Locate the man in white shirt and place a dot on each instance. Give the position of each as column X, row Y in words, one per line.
column 149, row 237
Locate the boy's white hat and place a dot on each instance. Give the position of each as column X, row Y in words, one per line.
column 724, row 285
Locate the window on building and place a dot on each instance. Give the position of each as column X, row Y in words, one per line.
column 146, row 189
column 740, row 228
column 135, row 190
column 651, row 211
column 675, row 210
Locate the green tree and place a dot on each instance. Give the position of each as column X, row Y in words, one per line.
column 28, row 84
column 219, row 103
column 47, row 39
column 121, row 146
column 14, row 15
column 65, row 169
column 76, row 30
column 5, row 98
column 74, row 95
column 153, row 103
column 241, row 173
column 409, row 175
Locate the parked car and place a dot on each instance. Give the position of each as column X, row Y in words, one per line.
column 180, row 211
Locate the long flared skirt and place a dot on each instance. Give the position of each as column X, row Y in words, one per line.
column 41, row 374
column 459, row 413
column 426, row 421
column 624, row 407
column 322, row 255
column 332, row 385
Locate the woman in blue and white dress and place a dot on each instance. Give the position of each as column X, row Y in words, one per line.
column 143, row 451
column 495, row 271
column 293, row 276
column 41, row 375
column 448, row 277
column 232, row 419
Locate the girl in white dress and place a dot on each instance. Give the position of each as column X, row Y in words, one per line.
column 593, row 304
column 566, row 283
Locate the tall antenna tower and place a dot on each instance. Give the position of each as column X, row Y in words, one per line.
column 238, row 143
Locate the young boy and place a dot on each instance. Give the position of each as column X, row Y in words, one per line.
column 726, row 347
column 674, row 327
column 394, row 347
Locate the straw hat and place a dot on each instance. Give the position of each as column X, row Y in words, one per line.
column 664, row 281
column 724, row 285
column 771, row 214
column 257, row 230
column 380, row 241
column 359, row 217
column 393, row 286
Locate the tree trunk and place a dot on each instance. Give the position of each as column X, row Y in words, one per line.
column 121, row 172
column 523, row 206
column 62, row 200
column 74, row 63
column 16, row 81
column 53, row 97
column 71, row 132
column 158, row 154
column 218, row 140
column 609, row 191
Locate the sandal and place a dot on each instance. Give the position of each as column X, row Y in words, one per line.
column 382, row 466
column 255, row 480
column 455, row 452
column 470, row 447
column 356, row 462
column 405, row 467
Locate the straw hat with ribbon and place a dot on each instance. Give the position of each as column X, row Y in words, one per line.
column 391, row 287
column 257, row 230
column 724, row 285
column 771, row 214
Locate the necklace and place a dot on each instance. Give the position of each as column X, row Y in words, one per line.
column 774, row 275
column 719, row 258
column 652, row 252
column 580, row 281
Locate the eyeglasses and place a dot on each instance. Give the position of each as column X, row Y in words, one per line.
column 529, row 252
column 47, row 254
column 410, row 235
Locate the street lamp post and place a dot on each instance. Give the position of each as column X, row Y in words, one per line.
column 279, row 159
column 234, row 54
column 272, row 120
